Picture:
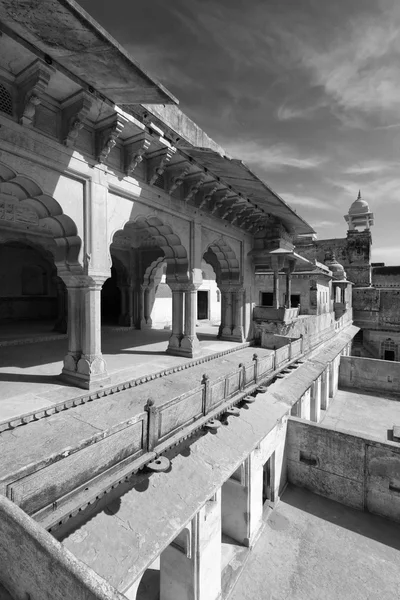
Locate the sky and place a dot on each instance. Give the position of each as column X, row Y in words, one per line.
column 305, row 92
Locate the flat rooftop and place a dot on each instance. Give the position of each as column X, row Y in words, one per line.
column 313, row 548
column 368, row 414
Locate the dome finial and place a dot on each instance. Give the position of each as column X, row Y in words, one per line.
column 359, row 195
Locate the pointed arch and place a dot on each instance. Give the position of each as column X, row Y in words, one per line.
column 224, row 262
column 23, row 203
column 150, row 232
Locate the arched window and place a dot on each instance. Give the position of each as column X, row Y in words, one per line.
column 5, row 101
column 389, row 350
column 34, row 281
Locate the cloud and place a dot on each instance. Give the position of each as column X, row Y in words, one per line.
column 359, row 68
column 387, row 254
column 379, row 191
column 274, row 157
column 369, row 168
column 307, row 201
column 287, row 113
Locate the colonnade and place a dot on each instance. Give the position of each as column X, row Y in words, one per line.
column 232, row 302
column 192, row 566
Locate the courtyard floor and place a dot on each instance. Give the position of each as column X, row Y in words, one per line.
column 313, row 548
column 29, row 368
column 363, row 413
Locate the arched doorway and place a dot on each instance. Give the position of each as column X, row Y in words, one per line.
column 28, row 288
column 220, row 256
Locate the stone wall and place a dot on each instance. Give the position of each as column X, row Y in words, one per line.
column 35, row 565
column 369, row 374
column 349, row 469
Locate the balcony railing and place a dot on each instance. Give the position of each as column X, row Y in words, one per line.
column 268, row 313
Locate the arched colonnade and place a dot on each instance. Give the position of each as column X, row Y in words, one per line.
column 139, row 249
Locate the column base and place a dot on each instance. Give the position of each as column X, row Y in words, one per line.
column 226, row 332
column 87, row 372
column 237, row 334
column 146, row 324
column 187, row 346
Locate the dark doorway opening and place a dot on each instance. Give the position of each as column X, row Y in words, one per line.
column 267, row 298
column 269, row 480
column 295, row 300
column 202, row 305
column 389, row 355
column 110, row 300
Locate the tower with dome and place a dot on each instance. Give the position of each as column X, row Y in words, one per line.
column 359, row 215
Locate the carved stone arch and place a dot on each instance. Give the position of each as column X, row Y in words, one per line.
column 152, row 270
column 150, row 232
column 23, row 204
column 223, row 259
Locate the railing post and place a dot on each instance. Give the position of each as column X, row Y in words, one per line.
column 152, row 425
column 206, row 394
column 242, row 377
column 290, row 350
column 256, row 366
column 274, row 369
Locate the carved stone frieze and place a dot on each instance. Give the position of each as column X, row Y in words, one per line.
column 135, row 151
column 15, row 213
column 32, row 83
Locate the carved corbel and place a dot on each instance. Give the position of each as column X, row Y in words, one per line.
column 162, row 160
column 107, row 138
column 194, row 188
column 135, row 152
column 219, row 200
column 74, row 114
column 238, row 214
column 227, row 211
column 208, row 194
column 32, row 84
column 179, row 178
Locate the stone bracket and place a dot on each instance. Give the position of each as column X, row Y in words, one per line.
column 32, row 84
column 107, row 137
column 135, row 151
column 194, row 188
column 178, row 179
column 219, row 201
column 208, row 193
column 161, row 161
column 74, row 112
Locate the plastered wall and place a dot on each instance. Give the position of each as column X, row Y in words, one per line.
column 369, row 374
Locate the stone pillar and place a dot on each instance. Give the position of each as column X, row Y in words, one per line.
column 145, row 318
column 61, row 324
column 223, row 310
column 227, row 316
column 130, row 317
column 74, row 330
column 331, row 369
column 91, row 368
column 315, row 412
column 275, row 299
column 325, row 389
column 237, row 331
column 84, row 365
column 190, row 568
column 177, row 319
column 189, row 343
column 242, row 505
column 288, row 289
column 123, row 309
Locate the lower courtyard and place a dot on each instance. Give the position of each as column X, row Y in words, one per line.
column 312, row 548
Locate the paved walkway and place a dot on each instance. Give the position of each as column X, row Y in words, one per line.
column 316, row 549
column 364, row 413
column 29, row 371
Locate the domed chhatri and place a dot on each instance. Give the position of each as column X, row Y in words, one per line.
column 359, row 215
column 337, row 269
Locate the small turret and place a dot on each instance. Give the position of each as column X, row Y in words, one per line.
column 359, row 215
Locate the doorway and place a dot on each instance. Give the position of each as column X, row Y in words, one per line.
column 202, row 305
column 389, row 355
column 268, row 488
